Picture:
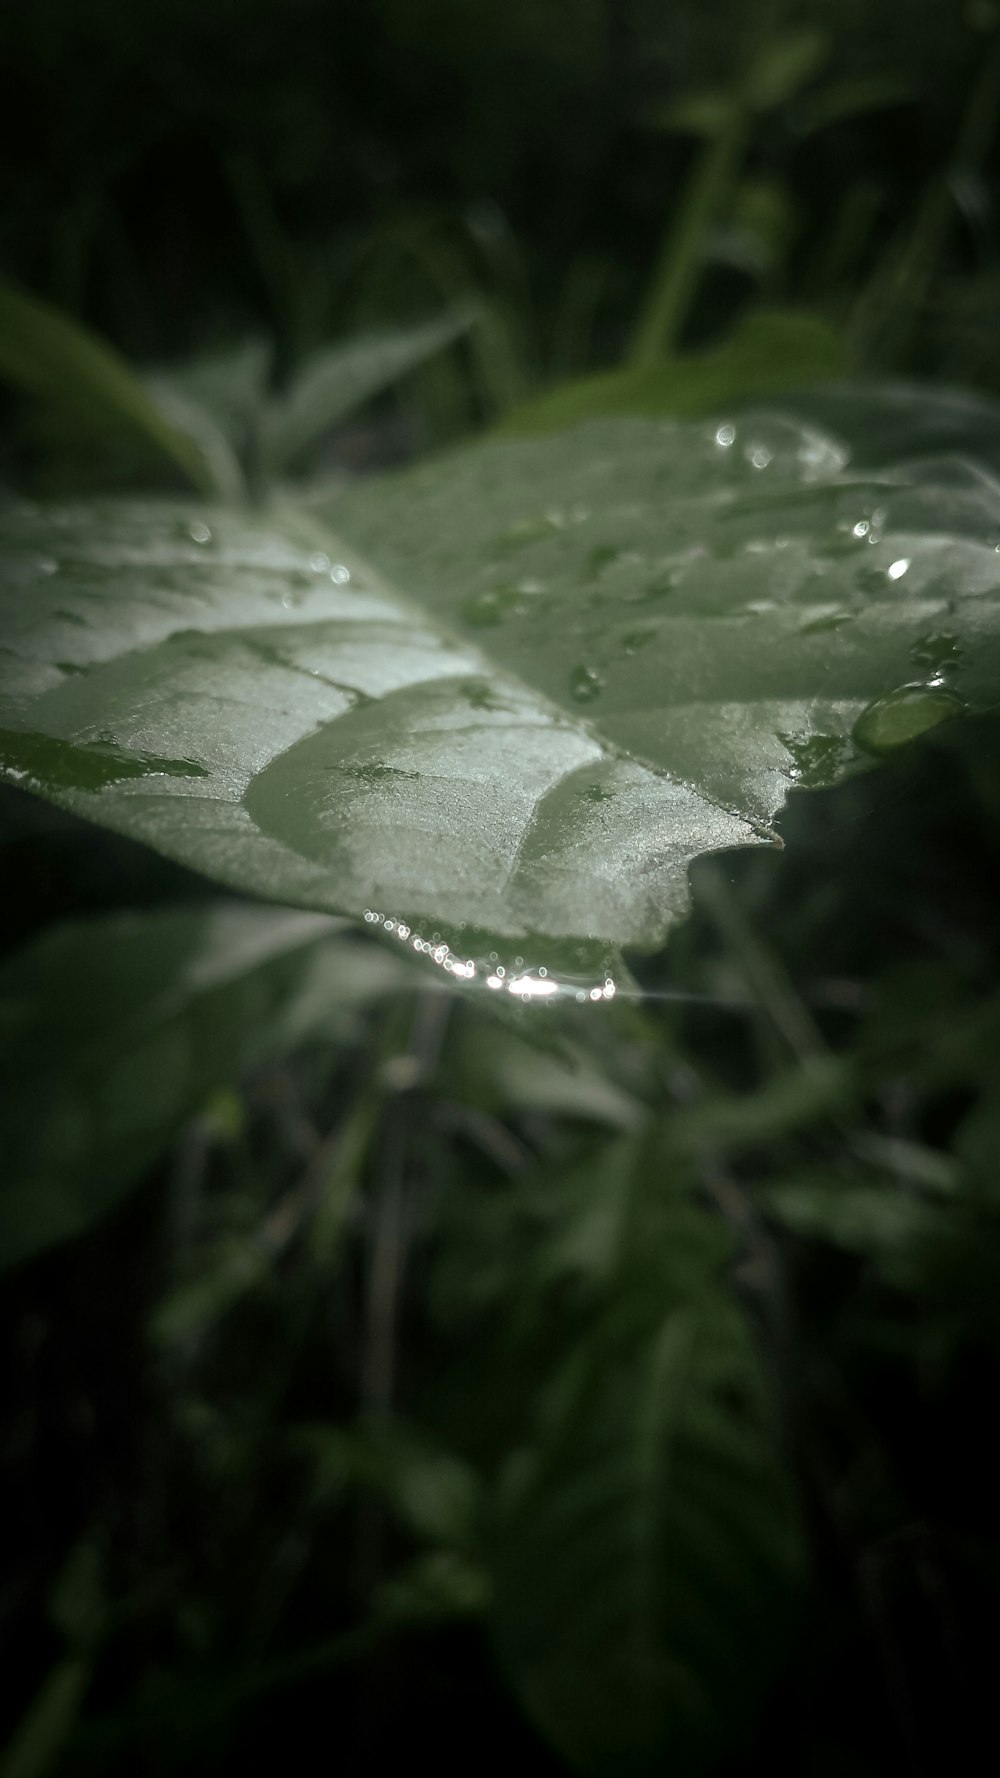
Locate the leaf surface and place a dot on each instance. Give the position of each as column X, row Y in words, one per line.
column 540, row 678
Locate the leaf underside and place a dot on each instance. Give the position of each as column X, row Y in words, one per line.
column 506, row 698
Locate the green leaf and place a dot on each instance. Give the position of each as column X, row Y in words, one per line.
column 854, row 97
column 115, row 1031
column 781, row 67
column 53, row 358
column 645, row 1557
column 693, row 114
column 770, row 352
column 581, row 663
column 341, row 379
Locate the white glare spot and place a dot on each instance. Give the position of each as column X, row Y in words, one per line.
column 896, row 569
column 494, row 981
column 339, row 574
column 725, row 436
column 861, row 528
column 531, row 988
column 200, row 533
column 319, row 563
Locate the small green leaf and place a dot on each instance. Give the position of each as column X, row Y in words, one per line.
column 338, row 381
column 693, row 114
column 768, row 353
column 781, row 67
column 855, row 97
column 115, row 1031
column 646, row 1551
column 53, row 358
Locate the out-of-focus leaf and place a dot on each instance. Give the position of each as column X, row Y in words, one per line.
column 900, row 1230
column 230, row 385
column 768, row 353
column 431, row 1490
column 757, row 232
column 645, row 1558
column 114, row 1031
column 693, row 114
column 342, row 378
column 781, row 67
column 55, row 359
column 854, row 97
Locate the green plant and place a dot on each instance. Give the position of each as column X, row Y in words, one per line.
column 521, row 1282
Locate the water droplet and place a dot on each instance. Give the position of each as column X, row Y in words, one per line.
column 861, row 528
column 903, row 714
column 896, row 570
column 585, row 684
column 725, row 436
column 339, row 574
column 319, row 563
column 200, row 533
column 759, row 455
column 636, row 639
column 506, row 599
column 938, row 654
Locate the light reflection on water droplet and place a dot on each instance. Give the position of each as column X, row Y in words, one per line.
column 725, row 437
column 200, row 533
column 903, row 714
column 938, row 653
column 896, row 570
column 339, row 574
column 585, row 683
column 519, row 980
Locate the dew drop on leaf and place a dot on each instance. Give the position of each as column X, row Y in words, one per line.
column 901, row 715
column 585, row 684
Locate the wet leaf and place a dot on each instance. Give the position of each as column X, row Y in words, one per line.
column 498, row 703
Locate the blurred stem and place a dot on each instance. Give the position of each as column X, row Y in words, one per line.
column 272, row 251
column 390, row 1231
column 765, row 974
column 890, row 308
column 48, row 1721
column 682, row 255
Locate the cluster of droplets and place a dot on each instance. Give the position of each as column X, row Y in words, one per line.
column 516, row 979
